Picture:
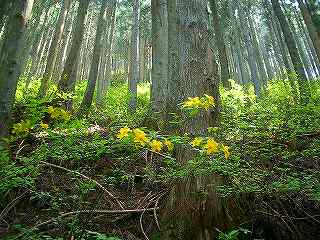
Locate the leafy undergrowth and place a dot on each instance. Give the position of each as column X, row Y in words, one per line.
column 60, row 164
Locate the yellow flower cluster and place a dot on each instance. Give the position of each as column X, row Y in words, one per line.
column 210, row 146
column 124, row 132
column 192, row 102
column 226, row 152
column 156, row 145
column 58, row 113
column 25, row 126
column 168, row 144
column 44, row 125
column 140, row 138
column 22, row 127
column 205, row 102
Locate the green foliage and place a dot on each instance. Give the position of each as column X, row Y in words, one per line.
column 271, row 140
column 15, row 175
column 235, row 234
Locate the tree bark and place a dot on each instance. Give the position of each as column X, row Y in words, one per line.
column 223, row 59
column 311, row 28
column 68, row 77
column 93, row 75
column 195, row 66
column 159, row 72
column 104, row 76
column 10, row 64
column 250, row 49
column 134, row 60
column 54, row 47
column 293, row 50
column 172, row 99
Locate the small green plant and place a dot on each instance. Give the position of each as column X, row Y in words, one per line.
column 235, row 234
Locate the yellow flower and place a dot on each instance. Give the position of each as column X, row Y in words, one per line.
column 192, row 102
column 55, row 113
column 44, row 125
column 168, row 144
column 208, row 102
column 22, row 127
column 156, row 145
column 123, row 132
column 140, row 137
column 212, row 146
column 50, row 110
column 196, row 142
column 226, row 152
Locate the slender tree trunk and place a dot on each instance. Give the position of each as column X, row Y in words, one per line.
column 94, row 69
column 134, row 61
column 257, row 51
column 267, row 57
column 251, row 58
column 65, row 44
column 293, row 50
column 298, row 36
column 313, row 14
column 172, row 99
column 68, row 78
column 312, row 51
column 311, row 28
column 10, row 65
column 40, row 43
column 55, row 43
column 223, row 60
column 108, row 68
column 105, row 75
column 142, row 62
column 159, row 72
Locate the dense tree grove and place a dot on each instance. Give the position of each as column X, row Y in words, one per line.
column 159, row 119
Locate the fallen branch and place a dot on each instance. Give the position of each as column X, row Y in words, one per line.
column 11, row 205
column 312, row 134
column 85, row 177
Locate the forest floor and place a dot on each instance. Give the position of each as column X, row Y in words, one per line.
column 71, row 178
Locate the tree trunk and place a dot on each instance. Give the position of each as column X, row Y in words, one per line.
column 312, row 8
column 108, row 68
column 105, row 75
column 10, row 65
column 54, row 47
column 172, row 99
column 311, row 28
column 68, row 77
column 257, row 50
column 223, row 60
column 93, row 75
column 159, row 72
column 134, row 60
column 142, row 55
column 250, row 49
column 65, row 42
column 293, row 50
column 185, row 217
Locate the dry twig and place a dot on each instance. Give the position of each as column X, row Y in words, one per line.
column 86, row 177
